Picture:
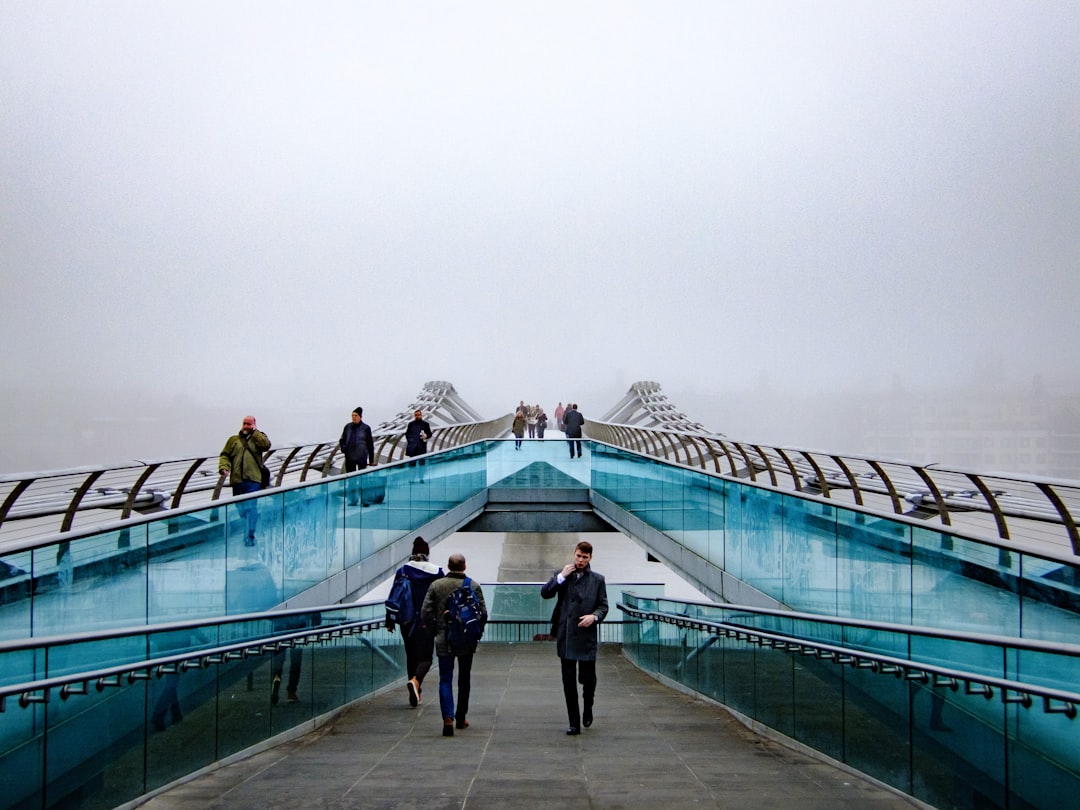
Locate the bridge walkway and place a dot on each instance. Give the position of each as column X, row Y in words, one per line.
column 650, row 746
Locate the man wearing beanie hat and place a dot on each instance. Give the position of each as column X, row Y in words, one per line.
column 357, row 445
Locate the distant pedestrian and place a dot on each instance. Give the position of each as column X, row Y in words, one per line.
column 582, row 605
column 518, row 429
column 573, row 422
column 418, row 636
column 434, row 613
column 417, row 433
column 358, row 446
column 559, row 411
column 530, row 420
column 541, row 424
column 242, row 460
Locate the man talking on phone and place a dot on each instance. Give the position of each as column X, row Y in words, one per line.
column 582, row 605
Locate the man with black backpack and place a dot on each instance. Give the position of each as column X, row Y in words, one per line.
column 455, row 606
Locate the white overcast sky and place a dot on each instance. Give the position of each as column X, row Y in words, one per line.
column 259, row 203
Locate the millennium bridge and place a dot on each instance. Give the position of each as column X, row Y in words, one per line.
column 911, row 623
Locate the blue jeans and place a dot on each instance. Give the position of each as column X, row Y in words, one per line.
column 446, row 685
column 249, row 510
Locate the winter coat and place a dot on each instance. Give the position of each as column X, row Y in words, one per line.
column 518, row 428
column 434, row 609
column 573, row 422
column 415, row 445
column 421, row 574
column 244, row 463
column 357, row 443
column 578, row 595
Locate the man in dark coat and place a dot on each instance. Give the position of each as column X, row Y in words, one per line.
column 582, row 605
column 573, row 422
column 417, row 433
column 358, row 446
column 357, row 443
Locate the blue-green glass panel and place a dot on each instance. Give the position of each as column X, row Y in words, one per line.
column 873, row 568
column 88, row 737
column 186, row 567
column 808, row 556
column 958, row 748
column 181, row 711
column 17, row 583
column 21, row 666
column 1043, row 758
column 1049, row 597
column 91, row 583
column 22, row 756
column 955, row 585
column 876, row 717
column 84, row 656
column 817, row 705
column 717, row 498
column 774, row 681
column 307, row 539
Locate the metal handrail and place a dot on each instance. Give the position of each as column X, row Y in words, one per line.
column 47, row 502
column 1054, row 701
column 907, row 488
column 40, row 691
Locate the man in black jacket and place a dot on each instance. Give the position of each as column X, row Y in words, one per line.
column 358, row 447
column 572, row 424
column 582, row 605
column 417, row 432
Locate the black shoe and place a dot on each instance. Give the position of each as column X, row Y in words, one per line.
column 586, row 717
column 249, row 541
column 448, row 727
column 572, row 731
column 461, row 722
column 159, row 722
column 274, row 690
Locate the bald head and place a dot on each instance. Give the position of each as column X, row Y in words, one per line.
column 456, row 562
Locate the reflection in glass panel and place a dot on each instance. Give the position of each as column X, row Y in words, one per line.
column 874, row 576
column 1050, row 597
column 16, row 587
column 89, row 583
column 306, row 539
column 186, row 569
column 956, row 584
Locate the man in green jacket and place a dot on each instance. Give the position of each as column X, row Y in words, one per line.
column 241, row 460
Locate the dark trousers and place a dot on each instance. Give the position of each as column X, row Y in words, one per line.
column 571, row 443
column 352, row 489
column 277, row 667
column 446, row 685
column 573, row 673
column 419, row 649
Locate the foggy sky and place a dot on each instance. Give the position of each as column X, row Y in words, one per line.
column 301, row 207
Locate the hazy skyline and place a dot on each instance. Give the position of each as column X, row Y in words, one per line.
column 297, row 208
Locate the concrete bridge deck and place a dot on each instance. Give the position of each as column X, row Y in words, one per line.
column 650, row 746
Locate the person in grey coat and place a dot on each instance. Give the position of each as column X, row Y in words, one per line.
column 582, row 605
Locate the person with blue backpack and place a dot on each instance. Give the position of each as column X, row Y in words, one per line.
column 411, row 583
column 455, row 606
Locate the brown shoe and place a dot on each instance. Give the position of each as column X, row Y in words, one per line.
column 462, row 723
column 448, row 727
